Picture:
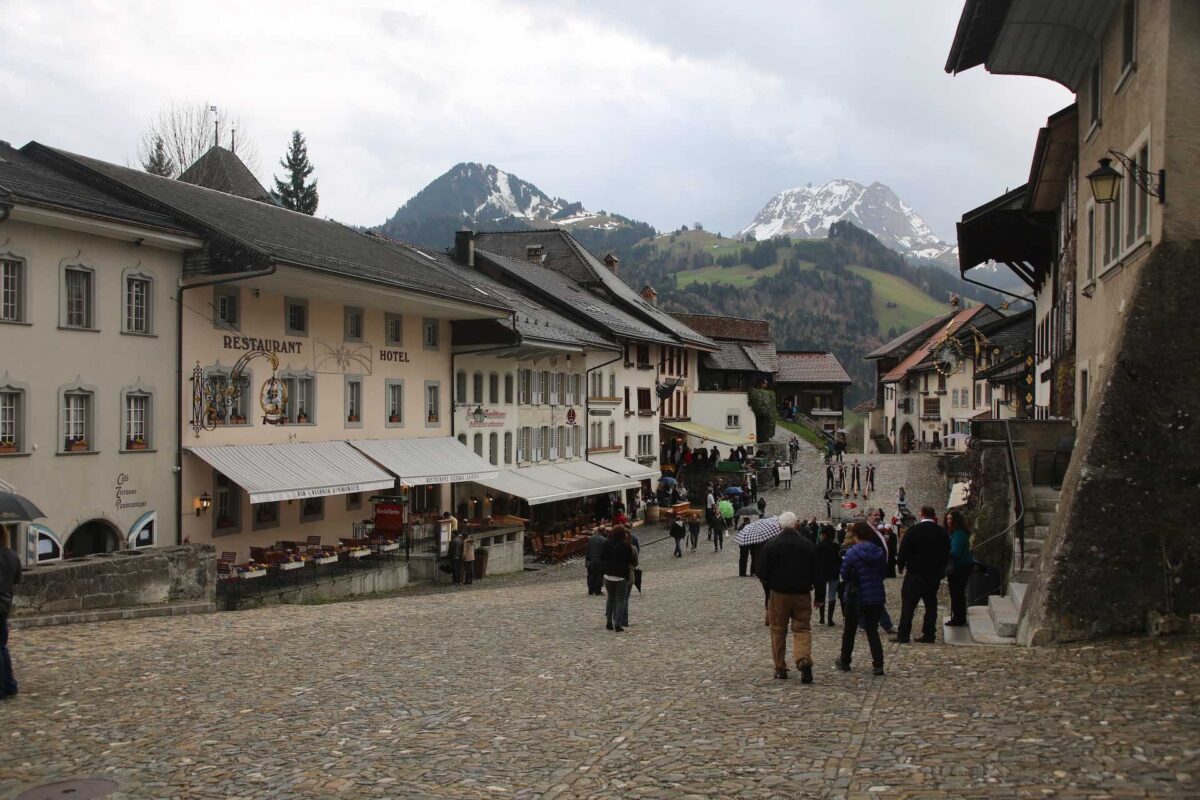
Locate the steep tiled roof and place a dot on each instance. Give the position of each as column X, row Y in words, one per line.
column 24, row 180
column 810, row 367
column 742, row 357
column 917, row 356
column 728, row 328
column 266, row 233
column 222, row 170
column 865, row 407
column 553, row 287
column 904, row 344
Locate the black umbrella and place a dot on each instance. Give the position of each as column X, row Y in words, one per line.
column 15, row 508
column 748, row 511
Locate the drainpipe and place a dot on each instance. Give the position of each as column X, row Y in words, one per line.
column 181, row 287
column 587, row 401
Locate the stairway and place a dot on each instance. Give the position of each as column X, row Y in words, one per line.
column 882, row 443
column 996, row 623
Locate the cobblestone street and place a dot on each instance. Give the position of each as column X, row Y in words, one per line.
column 512, row 688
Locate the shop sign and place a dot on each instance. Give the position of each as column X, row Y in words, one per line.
column 325, row 491
column 394, row 355
column 491, row 419
column 389, row 517
column 600, row 412
column 267, row 345
column 570, row 416
column 126, row 495
column 457, row 477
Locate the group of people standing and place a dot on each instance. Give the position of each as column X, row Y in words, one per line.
column 853, row 478
column 612, row 570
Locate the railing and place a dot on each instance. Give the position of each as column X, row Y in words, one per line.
column 1018, row 524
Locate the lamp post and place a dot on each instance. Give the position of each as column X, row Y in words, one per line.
column 1106, row 181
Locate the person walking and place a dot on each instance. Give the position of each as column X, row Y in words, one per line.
column 862, row 595
column 788, row 567
column 710, row 510
column 617, row 563
column 455, row 552
column 829, row 562
column 725, row 521
column 633, row 573
column 677, row 533
column 855, row 479
column 962, row 563
column 775, row 473
column 468, row 559
column 922, row 558
column 595, row 550
column 887, row 545
column 10, row 575
column 694, row 528
column 870, row 478
column 829, row 477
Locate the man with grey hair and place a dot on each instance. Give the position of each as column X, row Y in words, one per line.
column 789, row 570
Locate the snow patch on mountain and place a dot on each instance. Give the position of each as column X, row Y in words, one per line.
column 806, row 213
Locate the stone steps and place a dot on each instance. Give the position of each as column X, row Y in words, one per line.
column 979, row 630
column 1003, row 614
column 107, row 614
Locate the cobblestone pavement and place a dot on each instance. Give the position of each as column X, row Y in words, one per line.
column 512, row 688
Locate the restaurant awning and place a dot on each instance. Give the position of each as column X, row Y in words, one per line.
column 709, row 434
column 273, row 472
column 627, row 467
column 418, row 462
column 547, row 483
column 603, row 480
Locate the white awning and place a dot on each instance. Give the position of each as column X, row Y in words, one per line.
column 273, row 472
column 627, row 467
column 547, row 483
column 418, row 462
column 601, row 479
column 707, row 434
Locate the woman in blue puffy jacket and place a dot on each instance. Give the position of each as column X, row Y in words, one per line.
column 863, row 568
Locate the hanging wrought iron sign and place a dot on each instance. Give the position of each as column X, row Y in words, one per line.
column 214, row 397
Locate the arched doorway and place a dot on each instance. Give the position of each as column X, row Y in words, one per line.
column 906, row 438
column 93, row 536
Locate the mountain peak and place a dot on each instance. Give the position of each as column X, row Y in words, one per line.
column 807, row 212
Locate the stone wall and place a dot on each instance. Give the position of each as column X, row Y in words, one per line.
column 1125, row 542
column 151, row 576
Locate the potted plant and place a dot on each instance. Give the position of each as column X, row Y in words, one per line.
column 136, row 443
column 301, row 417
column 239, row 419
column 77, row 445
column 393, row 418
column 352, row 418
column 8, row 446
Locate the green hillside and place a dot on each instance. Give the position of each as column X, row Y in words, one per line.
column 741, row 275
column 896, row 302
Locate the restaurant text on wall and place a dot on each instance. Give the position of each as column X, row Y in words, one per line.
column 266, row 345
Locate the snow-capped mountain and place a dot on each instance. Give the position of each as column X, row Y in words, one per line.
column 484, row 197
column 807, row 213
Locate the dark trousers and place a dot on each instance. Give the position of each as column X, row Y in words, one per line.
column 456, row 569
column 468, row 572
column 918, row 589
column 616, row 605
column 694, row 538
column 869, row 617
column 958, row 593
column 743, row 559
column 718, row 538
column 8, row 681
column 595, row 579
column 829, row 482
column 885, row 620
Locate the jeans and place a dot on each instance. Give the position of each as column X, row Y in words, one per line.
column 718, row 538
column 8, row 682
column 796, row 609
column 625, row 609
column 694, row 538
column 958, row 593
column 743, row 559
column 918, row 589
column 870, row 622
column 831, row 590
column 616, row 607
column 679, row 546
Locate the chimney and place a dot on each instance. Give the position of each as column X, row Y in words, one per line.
column 535, row 253
column 464, row 247
column 650, row 295
column 612, row 262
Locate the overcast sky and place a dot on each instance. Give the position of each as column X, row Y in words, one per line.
column 671, row 112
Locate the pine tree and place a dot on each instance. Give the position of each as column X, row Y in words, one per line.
column 296, row 193
column 159, row 163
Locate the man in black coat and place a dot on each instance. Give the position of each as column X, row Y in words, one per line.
column 788, row 569
column 924, row 552
column 595, row 551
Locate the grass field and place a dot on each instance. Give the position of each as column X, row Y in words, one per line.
column 805, row 434
column 741, row 275
column 912, row 306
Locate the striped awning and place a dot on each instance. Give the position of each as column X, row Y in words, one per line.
column 418, row 462
column 273, row 472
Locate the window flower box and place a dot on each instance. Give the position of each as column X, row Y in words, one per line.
column 394, row 418
column 135, row 444
column 8, row 446
column 302, row 418
column 352, row 418
column 77, row 446
column 238, row 419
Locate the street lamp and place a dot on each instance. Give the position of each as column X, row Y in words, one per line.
column 477, row 415
column 203, row 503
column 1105, row 181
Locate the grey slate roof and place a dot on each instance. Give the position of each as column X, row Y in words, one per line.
column 908, row 341
column 270, row 233
column 810, row 367
column 555, row 287
column 24, row 180
column 742, row 357
column 564, row 254
column 222, row 170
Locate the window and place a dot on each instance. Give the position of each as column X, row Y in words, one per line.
column 595, row 435
column 525, row 379
column 1091, row 243
column 227, row 307
column 77, row 421
column 477, row 388
column 460, row 386
column 596, row 385
column 493, row 388
column 393, row 329
column 733, row 419
column 12, row 290
column 555, row 379
column 539, row 443
column 230, row 410
column 627, row 451
column 547, row 381
column 1112, row 231
column 431, row 334
column 353, row 401
column 227, row 505
column 643, row 355
column 612, row 434
column 627, row 408
column 536, row 395
column 1137, row 203
column 612, row 384
column 136, row 423
column 1094, row 94
column 433, row 404
column 479, row 445
column 394, row 400
column 644, row 400
column 78, row 297
column 645, row 444
column 301, row 398
column 266, row 515
column 508, row 447
column 138, row 295
column 462, row 439
column 494, row 448
column 572, row 389
column 1083, row 392
column 295, row 316
column 508, row 388
column 523, row 445
column 12, row 420
column 1128, row 37
column 352, row 328
column 312, row 509
column 354, row 501
column 552, row 442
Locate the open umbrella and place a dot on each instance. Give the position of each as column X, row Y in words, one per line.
column 748, row 511
column 760, row 530
column 734, row 490
column 15, row 508
column 666, row 481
